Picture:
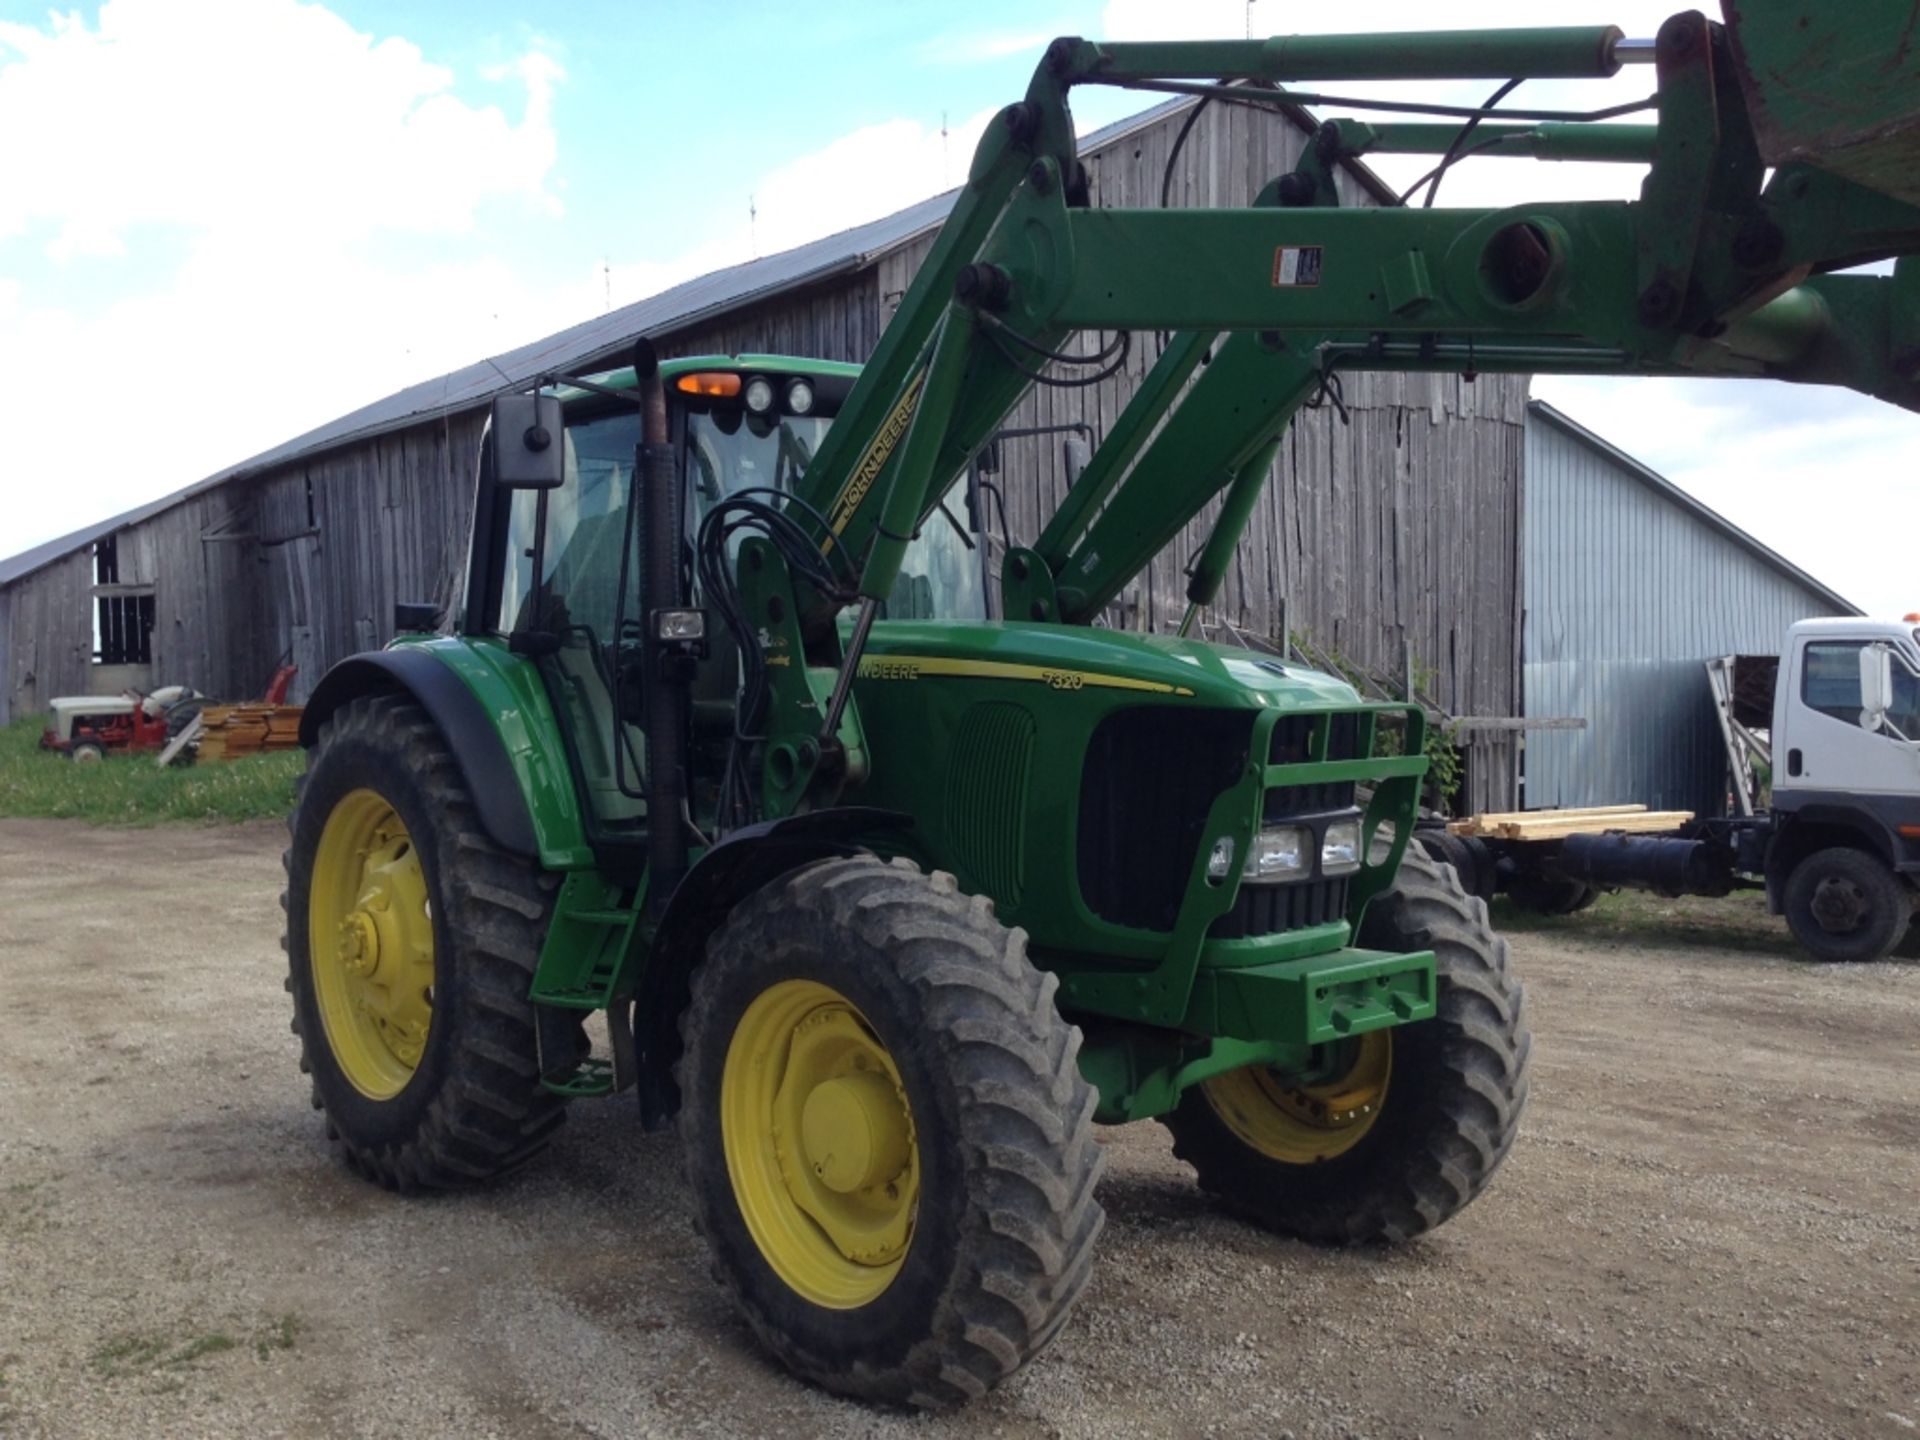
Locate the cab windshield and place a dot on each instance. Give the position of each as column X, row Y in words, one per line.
column 731, row 450
column 587, row 594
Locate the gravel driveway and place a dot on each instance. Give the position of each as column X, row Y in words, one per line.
column 1708, row 1226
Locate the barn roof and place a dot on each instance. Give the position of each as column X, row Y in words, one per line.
column 605, row 336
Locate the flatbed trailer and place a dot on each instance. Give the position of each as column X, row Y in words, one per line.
column 1826, row 785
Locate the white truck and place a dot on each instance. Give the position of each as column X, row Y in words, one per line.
column 1836, row 844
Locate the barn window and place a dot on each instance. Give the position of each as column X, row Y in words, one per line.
column 123, row 615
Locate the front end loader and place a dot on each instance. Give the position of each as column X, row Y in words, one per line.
column 886, row 903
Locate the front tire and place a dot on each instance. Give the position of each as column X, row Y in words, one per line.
column 411, row 942
column 1846, row 905
column 1407, row 1125
column 887, row 1138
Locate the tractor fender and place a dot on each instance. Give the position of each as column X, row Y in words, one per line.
column 747, row 859
column 468, row 729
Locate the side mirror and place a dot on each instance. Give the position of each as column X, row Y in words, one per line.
column 1876, row 685
column 526, row 439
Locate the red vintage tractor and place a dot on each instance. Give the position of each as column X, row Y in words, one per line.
column 86, row 728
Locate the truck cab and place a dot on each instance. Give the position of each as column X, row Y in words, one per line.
column 1844, row 859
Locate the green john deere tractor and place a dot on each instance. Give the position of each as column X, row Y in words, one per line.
column 889, row 902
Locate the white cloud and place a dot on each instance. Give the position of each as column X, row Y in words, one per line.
column 213, row 213
column 1824, row 477
column 250, row 114
column 864, row 175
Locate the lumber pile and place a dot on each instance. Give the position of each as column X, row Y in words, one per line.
column 1558, row 824
column 231, row 731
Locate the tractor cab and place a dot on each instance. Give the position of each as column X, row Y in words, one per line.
column 560, row 572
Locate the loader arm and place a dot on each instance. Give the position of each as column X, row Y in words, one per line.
column 1720, row 268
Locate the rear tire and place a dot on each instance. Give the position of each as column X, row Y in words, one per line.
column 464, row 1102
column 1845, row 905
column 982, row 1203
column 1437, row 1125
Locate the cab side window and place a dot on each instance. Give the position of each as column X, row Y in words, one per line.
column 1830, row 679
column 1830, row 683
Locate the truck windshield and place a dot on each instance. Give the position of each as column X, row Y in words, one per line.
column 730, row 450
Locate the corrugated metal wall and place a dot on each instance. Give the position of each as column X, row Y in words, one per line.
column 1627, row 593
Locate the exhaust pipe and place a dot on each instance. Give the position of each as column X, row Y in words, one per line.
column 667, row 694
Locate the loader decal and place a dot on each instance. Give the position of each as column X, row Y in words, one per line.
column 915, row 667
column 876, row 457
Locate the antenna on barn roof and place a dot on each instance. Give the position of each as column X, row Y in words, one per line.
column 946, row 169
column 753, row 227
column 606, row 279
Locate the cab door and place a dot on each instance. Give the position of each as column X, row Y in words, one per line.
column 1824, row 747
column 586, row 596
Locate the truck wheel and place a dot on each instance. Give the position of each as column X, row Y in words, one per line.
column 1473, row 864
column 1546, row 895
column 887, row 1137
column 1404, row 1126
column 1844, row 904
column 411, row 942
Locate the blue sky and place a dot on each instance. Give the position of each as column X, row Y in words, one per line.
column 262, row 213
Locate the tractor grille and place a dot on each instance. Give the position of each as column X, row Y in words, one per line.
column 987, row 797
column 1284, row 801
column 1293, row 738
column 1151, row 775
column 1271, row 909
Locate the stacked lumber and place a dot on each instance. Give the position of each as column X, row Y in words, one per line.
column 235, row 730
column 1558, row 824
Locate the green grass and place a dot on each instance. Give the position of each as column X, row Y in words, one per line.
column 1634, row 917
column 279, row 1335
column 132, row 790
column 163, row 1353
column 138, row 1354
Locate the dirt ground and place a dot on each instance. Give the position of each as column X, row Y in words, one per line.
column 1708, row 1227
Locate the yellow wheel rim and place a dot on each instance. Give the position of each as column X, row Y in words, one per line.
column 820, row 1144
column 1306, row 1124
column 370, row 945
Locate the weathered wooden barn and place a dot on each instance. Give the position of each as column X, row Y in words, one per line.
column 1388, row 538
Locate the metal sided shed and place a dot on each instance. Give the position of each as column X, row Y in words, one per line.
column 1631, row 584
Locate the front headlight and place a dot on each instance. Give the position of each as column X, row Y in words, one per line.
column 1340, row 851
column 1282, row 853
